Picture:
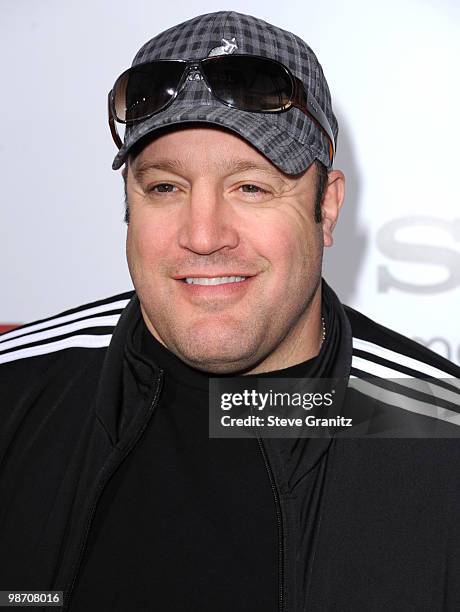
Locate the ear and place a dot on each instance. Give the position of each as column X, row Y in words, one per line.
column 331, row 204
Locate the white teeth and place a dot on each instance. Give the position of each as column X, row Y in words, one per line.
column 216, row 280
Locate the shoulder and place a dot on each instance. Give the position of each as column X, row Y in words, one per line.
column 77, row 331
column 407, row 389
column 379, row 349
column 50, row 370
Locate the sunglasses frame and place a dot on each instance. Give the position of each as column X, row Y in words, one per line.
column 300, row 98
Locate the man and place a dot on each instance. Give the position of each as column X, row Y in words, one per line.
column 112, row 490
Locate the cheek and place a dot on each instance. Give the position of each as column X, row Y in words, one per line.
column 147, row 243
column 290, row 243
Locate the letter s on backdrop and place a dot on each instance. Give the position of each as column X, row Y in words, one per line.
column 418, row 253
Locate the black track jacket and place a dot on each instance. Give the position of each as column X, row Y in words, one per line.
column 368, row 523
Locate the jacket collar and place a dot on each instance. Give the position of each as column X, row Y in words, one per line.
column 115, row 403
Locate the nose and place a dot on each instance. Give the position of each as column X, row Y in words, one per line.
column 207, row 222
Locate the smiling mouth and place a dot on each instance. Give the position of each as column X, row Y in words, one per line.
column 213, row 280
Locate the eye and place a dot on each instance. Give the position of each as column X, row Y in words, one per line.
column 250, row 188
column 162, row 188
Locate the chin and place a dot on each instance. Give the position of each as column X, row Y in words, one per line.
column 217, row 352
column 216, row 364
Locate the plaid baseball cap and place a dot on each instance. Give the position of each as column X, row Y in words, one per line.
column 290, row 140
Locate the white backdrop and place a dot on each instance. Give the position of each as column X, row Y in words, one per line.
column 393, row 71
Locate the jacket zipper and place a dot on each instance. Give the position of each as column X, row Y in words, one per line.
column 279, row 521
column 103, row 482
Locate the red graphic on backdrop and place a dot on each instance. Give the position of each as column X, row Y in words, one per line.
column 7, row 326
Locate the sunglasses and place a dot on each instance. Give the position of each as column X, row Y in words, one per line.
column 244, row 82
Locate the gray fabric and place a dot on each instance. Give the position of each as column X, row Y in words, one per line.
column 291, row 140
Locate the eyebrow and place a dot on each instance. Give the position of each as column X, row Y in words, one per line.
column 243, row 165
column 142, row 168
column 231, row 165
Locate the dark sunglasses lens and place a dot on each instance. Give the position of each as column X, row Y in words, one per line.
column 145, row 89
column 249, row 83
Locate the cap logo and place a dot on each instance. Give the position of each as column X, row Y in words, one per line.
column 227, row 47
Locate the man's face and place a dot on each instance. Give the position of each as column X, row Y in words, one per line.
column 223, row 251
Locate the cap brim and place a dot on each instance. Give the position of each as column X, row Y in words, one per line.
column 260, row 130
